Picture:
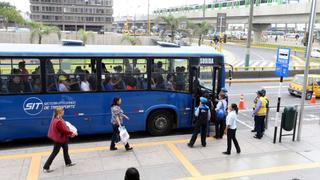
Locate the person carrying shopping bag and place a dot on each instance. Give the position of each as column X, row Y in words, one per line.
column 117, row 121
column 59, row 133
column 231, row 128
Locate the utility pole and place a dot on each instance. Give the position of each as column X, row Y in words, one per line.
column 204, row 9
column 312, row 19
column 247, row 60
column 149, row 28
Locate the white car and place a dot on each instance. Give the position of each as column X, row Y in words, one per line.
column 315, row 53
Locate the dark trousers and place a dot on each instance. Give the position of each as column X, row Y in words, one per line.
column 115, row 136
column 56, row 149
column 220, row 126
column 260, row 125
column 231, row 135
column 197, row 129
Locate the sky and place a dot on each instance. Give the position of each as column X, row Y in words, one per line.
column 124, row 7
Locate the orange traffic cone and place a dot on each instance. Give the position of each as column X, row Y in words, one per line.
column 241, row 103
column 313, row 100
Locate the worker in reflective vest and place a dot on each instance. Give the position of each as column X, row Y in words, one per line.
column 259, row 114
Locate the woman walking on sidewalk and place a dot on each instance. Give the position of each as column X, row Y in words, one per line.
column 231, row 128
column 117, row 121
column 59, row 133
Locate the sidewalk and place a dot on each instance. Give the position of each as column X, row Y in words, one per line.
column 168, row 157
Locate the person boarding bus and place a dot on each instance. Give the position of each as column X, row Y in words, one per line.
column 202, row 115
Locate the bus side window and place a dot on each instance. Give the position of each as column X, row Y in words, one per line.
column 124, row 74
column 20, row 76
column 71, row 75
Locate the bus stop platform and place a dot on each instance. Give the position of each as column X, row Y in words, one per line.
column 169, row 157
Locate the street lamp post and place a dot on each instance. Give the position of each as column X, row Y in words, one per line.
column 149, row 28
column 204, row 9
column 247, row 60
column 312, row 19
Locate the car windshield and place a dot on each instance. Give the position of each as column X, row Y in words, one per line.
column 299, row 80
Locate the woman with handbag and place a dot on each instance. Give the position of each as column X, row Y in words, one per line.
column 117, row 116
column 59, row 133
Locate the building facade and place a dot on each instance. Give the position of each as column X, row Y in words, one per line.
column 72, row 15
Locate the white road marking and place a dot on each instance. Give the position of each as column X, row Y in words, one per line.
column 245, row 124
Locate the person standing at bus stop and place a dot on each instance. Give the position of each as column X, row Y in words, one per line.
column 117, row 121
column 259, row 114
column 203, row 115
column 220, row 121
column 231, row 128
column 59, row 133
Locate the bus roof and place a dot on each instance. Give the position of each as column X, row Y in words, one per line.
column 55, row 50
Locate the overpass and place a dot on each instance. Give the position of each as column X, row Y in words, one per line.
column 265, row 14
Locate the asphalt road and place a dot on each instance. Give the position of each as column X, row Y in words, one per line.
column 259, row 57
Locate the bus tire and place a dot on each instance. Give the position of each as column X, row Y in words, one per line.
column 160, row 122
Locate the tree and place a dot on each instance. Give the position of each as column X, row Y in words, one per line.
column 172, row 24
column 39, row 30
column 132, row 40
column 10, row 14
column 199, row 30
column 85, row 35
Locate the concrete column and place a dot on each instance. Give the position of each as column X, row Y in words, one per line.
column 257, row 29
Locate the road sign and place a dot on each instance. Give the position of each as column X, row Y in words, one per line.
column 283, row 60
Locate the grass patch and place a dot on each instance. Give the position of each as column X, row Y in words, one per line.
column 275, row 46
column 312, row 59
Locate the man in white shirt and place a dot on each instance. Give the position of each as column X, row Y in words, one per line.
column 220, row 119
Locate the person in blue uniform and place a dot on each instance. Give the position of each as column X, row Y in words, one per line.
column 202, row 115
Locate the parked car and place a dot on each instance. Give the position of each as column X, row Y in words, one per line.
column 315, row 53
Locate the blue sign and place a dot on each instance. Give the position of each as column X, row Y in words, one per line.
column 283, row 60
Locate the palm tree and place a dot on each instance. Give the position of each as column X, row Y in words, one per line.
column 85, row 35
column 132, row 40
column 199, row 30
column 39, row 30
column 172, row 24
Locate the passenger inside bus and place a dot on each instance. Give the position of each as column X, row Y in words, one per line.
column 23, row 71
column 84, row 83
column 180, row 78
column 170, row 82
column 64, row 85
column 15, row 86
column 117, row 79
column 107, row 84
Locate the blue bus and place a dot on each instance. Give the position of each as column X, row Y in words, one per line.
column 158, row 86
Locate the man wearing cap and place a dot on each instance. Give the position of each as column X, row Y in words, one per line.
column 202, row 115
column 259, row 114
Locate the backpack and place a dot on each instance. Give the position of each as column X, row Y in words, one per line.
column 220, row 114
column 203, row 116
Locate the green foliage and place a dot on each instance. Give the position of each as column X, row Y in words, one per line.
column 132, row 40
column 172, row 24
column 10, row 13
column 39, row 30
column 199, row 30
column 85, row 35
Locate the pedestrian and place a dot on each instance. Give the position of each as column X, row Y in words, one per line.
column 259, row 114
column 231, row 128
column 264, row 95
column 202, row 115
column 253, row 108
column 276, row 38
column 211, row 108
column 220, row 115
column 117, row 121
column 59, row 133
column 132, row 174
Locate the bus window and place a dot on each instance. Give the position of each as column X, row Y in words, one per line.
column 19, row 76
column 170, row 74
column 124, row 74
column 70, row 75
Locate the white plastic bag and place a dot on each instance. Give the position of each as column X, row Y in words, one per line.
column 124, row 135
column 72, row 128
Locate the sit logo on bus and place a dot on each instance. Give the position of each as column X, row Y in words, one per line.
column 33, row 106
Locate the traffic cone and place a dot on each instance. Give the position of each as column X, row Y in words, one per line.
column 313, row 100
column 241, row 103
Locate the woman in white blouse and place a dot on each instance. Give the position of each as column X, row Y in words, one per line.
column 231, row 128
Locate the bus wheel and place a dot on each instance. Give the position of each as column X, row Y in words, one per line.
column 160, row 123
